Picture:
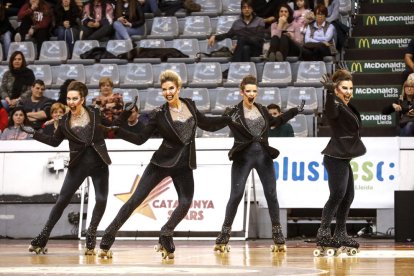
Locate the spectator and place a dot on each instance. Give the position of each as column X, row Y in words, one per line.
column 57, row 110
column 37, row 107
column 67, row 16
column 130, row 19
column 13, row 6
column 4, row 118
column 302, row 15
column 16, row 82
column 13, row 132
column 286, row 37
column 150, row 6
column 98, row 16
column 133, row 124
column 36, row 22
column 404, row 107
column 6, row 30
column 284, row 130
column 249, row 30
column 333, row 17
column 266, row 9
column 409, row 60
column 319, row 37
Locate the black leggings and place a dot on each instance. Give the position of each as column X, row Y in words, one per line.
column 253, row 157
column 245, row 49
column 341, row 188
column 285, row 45
column 183, row 183
column 94, row 167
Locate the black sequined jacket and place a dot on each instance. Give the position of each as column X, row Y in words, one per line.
column 172, row 147
column 77, row 146
column 242, row 135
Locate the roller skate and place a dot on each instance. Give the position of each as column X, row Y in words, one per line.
column 90, row 242
column 222, row 240
column 348, row 245
column 165, row 246
column 38, row 244
column 278, row 239
column 326, row 245
column 106, row 243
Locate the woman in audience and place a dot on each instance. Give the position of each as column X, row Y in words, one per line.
column 302, row 15
column 150, row 6
column 6, row 30
column 4, row 118
column 36, row 21
column 67, row 16
column 111, row 104
column 286, row 37
column 17, row 118
column 97, row 19
column 130, row 19
column 17, row 82
column 57, row 110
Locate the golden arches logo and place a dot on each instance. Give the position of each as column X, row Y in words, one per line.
column 364, row 43
column 371, row 20
column 356, row 67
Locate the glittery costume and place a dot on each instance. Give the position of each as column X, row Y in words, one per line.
column 174, row 158
column 89, row 157
column 251, row 150
column 344, row 145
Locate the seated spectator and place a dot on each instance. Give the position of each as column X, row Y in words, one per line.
column 286, row 37
column 97, row 19
column 67, row 16
column 405, row 109
column 4, row 118
column 248, row 30
column 6, row 30
column 333, row 17
column 133, row 124
column 13, row 132
column 16, row 82
column 36, row 21
column 302, row 15
column 57, row 110
column 150, row 6
column 266, row 9
column 37, row 107
column 319, row 37
column 409, row 60
column 130, row 19
column 284, row 130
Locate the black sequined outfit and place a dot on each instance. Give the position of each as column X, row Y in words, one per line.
column 224, row 236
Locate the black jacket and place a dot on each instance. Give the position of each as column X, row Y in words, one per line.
column 76, row 145
column 242, row 136
column 345, row 123
column 171, row 149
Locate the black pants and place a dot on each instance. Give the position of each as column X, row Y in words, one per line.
column 90, row 165
column 184, row 185
column 103, row 33
column 316, row 53
column 254, row 157
column 246, row 48
column 341, row 188
column 285, row 45
column 39, row 35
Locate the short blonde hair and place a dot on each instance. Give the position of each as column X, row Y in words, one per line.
column 172, row 76
column 104, row 80
column 57, row 106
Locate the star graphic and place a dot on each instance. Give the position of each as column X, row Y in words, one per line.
column 145, row 209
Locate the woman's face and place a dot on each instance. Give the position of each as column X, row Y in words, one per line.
column 57, row 114
column 18, row 61
column 344, row 91
column 320, row 17
column 170, row 91
column 65, row 3
column 300, row 3
column 283, row 12
column 249, row 94
column 106, row 89
column 409, row 89
column 18, row 118
column 74, row 100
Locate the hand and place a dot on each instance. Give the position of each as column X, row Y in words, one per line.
column 131, row 106
column 66, row 24
column 396, row 107
column 211, row 40
column 27, row 129
column 107, row 129
column 30, row 32
column 327, row 82
column 301, row 106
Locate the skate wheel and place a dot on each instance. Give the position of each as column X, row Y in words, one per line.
column 171, row 256
column 330, row 252
column 105, row 254
column 352, row 252
column 90, row 252
column 316, row 253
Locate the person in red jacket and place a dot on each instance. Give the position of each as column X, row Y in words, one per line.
column 4, row 118
column 36, row 20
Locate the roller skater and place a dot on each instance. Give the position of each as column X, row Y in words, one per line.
column 250, row 126
column 90, row 241
column 278, row 239
column 166, row 245
column 344, row 145
column 38, row 244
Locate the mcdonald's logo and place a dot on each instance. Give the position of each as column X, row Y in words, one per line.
column 356, row 67
column 363, row 43
column 371, row 20
column 377, row 1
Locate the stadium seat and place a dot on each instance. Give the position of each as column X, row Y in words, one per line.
column 151, row 43
column 206, row 74
column 128, row 95
column 1, row 54
column 276, row 74
column 153, row 99
column 136, row 75
column 53, row 52
column 198, row 27
column 299, row 125
column 3, row 69
column 179, row 68
column 164, row 27
column 204, row 48
column 269, row 95
column 200, row 96
column 237, row 71
column 97, row 71
column 209, row 8
column 231, row 7
column 310, row 73
column 297, row 94
column 117, row 47
column 26, row 47
column 225, row 97
column 69, row 71
column 221, row 133
column 224, row 23
column 42, row 72
column 92, row 94
column 186, row 46
column 80, row 47
column 51, row 93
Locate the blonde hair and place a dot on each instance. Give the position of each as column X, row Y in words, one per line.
column 172, row 76
column 57, row 106
column 104, row 80
column 408, row 82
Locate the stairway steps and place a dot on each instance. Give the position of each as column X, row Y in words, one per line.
column 376, row 66
column 377, row 79
column 385, row 8
column 379, row 42
column 374, row 54
column 383, row 30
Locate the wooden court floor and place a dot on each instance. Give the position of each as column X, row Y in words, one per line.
column 65, row 257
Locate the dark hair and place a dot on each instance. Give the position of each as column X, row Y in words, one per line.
column 92, row 10
column 80, row 87
column 135, row 107
column 39, row 82
column 132, row 9
column 306, row 4
column 320, row 8
column 274, row 106
column 341, row 75
column 13, row 56
column 249, row 79
column 14, row 110
column 284, row 5
column 63, row 91
column 2, row 11
column 246, row 2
